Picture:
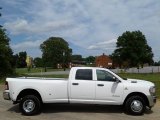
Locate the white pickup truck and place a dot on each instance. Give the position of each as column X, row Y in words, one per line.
column 86, row 85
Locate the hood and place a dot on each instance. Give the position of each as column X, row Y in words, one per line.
column 137, row 81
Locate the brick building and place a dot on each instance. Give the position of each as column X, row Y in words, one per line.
column 104, row 61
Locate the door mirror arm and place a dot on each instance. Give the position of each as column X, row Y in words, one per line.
column 116, row 80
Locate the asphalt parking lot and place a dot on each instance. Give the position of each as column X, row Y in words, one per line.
column 8, row 111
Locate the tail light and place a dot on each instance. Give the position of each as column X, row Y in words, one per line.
column 6, row 86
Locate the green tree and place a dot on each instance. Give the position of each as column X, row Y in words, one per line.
column 77, row 58
column 38, row 62
column 6, row 55
column 132, row 50
column 21, row 61
column 90, row 59
column 157, row 63
column 55, row 50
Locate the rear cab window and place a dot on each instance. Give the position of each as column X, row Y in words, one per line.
column 84, row 74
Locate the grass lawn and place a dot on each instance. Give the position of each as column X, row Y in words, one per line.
column 2, row 81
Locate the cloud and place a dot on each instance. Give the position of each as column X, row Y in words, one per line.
column 22, row 26
column 105, row 45
column 26, row 45
column 86, row 23
column 31, row 47
column 17, row 26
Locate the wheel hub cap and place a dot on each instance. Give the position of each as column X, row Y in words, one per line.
column 136, row 106
column 28, row 105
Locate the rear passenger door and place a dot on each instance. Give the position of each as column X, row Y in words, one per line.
column 82, row 88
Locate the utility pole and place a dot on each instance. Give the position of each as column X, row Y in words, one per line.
column 0, row 16
column 64, row 61
column 0, row 13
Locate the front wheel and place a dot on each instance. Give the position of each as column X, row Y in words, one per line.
column 135, row 105
column 30, row 105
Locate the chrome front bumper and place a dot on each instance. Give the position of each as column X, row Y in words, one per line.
column 152, row 100
column 6, row 95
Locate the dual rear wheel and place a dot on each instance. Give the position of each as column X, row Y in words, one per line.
column 30, row 105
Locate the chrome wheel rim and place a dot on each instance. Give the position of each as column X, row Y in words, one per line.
column 28, row 106
column 136, row 106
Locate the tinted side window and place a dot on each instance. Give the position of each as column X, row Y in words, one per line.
column 104, row 76
column 84, row 74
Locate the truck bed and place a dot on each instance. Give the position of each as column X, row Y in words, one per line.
column 51, row 89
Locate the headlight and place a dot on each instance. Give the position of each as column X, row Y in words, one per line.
column 152, row 90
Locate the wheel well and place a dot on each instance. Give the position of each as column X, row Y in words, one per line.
column 137, row 94
column 25, row 92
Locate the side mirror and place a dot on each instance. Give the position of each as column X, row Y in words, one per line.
column 116, row 80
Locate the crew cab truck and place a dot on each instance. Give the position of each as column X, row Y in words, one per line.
column 85, row 85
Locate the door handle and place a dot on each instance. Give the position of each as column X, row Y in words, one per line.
column 100, row 84
column 75, row 83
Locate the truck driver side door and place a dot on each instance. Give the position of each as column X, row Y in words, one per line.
column 108, row 91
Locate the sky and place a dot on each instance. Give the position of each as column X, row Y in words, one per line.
column 91, row 27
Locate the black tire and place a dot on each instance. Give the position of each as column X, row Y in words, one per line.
column 30, row 105
column 135, row 105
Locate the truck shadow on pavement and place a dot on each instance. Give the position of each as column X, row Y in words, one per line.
column 54, row 108
column 15, row 109
column 57, row 108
